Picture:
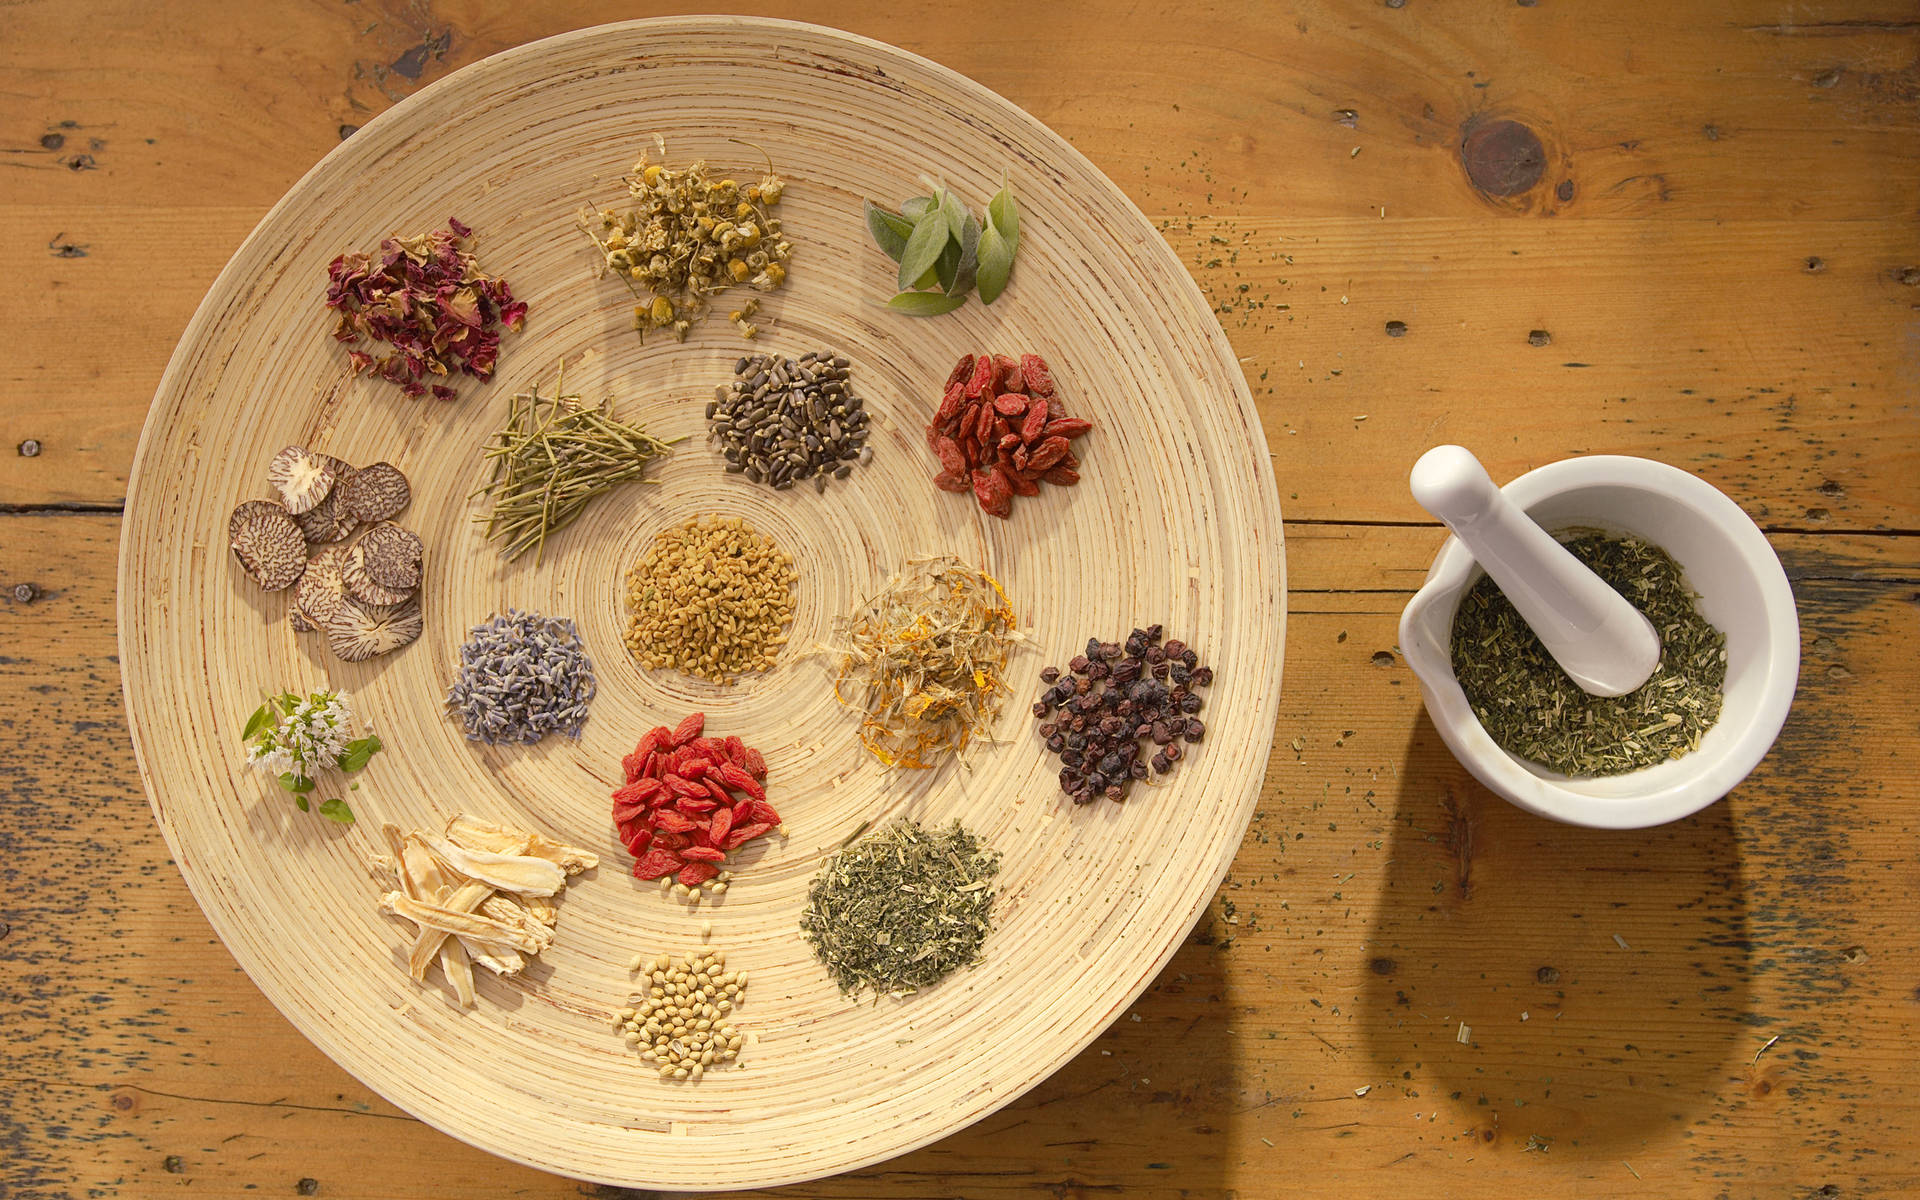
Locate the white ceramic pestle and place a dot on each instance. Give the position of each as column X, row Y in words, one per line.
column 1602, row 642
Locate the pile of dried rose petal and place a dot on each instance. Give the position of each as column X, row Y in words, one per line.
column 425, row 297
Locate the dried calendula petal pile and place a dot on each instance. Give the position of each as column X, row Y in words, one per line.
column 482, row 894
column 681, row 1023
column 687, row 236
column 923, row 661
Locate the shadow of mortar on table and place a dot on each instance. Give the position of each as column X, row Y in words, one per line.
column 1512, row 926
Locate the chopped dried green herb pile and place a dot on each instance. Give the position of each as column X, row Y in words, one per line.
column 902, row 909
column 1529, row 706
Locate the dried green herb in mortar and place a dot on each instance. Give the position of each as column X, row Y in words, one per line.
column 901, row 909
column 1529, row 706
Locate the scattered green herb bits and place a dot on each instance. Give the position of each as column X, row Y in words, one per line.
column 944, row 252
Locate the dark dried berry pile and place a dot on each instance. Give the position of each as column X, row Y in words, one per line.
column 1112, row 699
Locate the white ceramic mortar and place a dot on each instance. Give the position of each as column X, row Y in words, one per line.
column 1743, row 592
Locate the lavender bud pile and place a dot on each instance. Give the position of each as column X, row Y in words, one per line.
column 522, row 676
column 1110, row 701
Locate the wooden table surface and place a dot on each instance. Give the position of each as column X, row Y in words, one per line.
column 1697, row 241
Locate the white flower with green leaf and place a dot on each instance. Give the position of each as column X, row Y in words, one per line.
column 295, row 738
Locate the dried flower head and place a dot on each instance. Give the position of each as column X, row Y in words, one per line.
column 688, row 236
column 923, row 661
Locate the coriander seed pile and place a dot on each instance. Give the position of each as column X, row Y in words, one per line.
column 710, row 598
column 681, row 1022
column 901, row 909
column 688, row 236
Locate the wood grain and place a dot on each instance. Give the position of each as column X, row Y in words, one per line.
column 1380, row 900
column 1714, row 149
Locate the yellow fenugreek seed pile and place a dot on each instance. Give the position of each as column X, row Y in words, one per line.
column 710, row 598
column 681, row 1022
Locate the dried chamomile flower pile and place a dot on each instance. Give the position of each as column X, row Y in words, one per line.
column 356, row 576
column 425, row 297
column 483, row 893
column 686, row 237
column 682, row 1022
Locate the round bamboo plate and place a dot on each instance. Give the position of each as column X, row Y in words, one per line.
column 1177, row 520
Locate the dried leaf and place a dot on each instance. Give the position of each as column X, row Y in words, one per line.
column 890, row 230
column 996, row 264
column 966, row 274
column 925, row 304
column 929, row 238
column 1004, row 212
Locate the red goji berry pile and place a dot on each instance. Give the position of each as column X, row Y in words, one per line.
column 690, row 800
column 1000, row 431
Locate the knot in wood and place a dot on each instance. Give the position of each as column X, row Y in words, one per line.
column 1503, row 158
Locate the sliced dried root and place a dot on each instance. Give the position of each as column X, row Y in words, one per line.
column 482, row 894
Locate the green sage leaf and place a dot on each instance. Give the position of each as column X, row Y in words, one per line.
column 925, row 304
column 923, row 248
column 1004, row 212
column 969, row 266
column 890, row 231
column 956, row 213
column 260, row 720
column 930, row 279
column 947, row 270
column 916, row 208
column 996, row 264
column 336, row 810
